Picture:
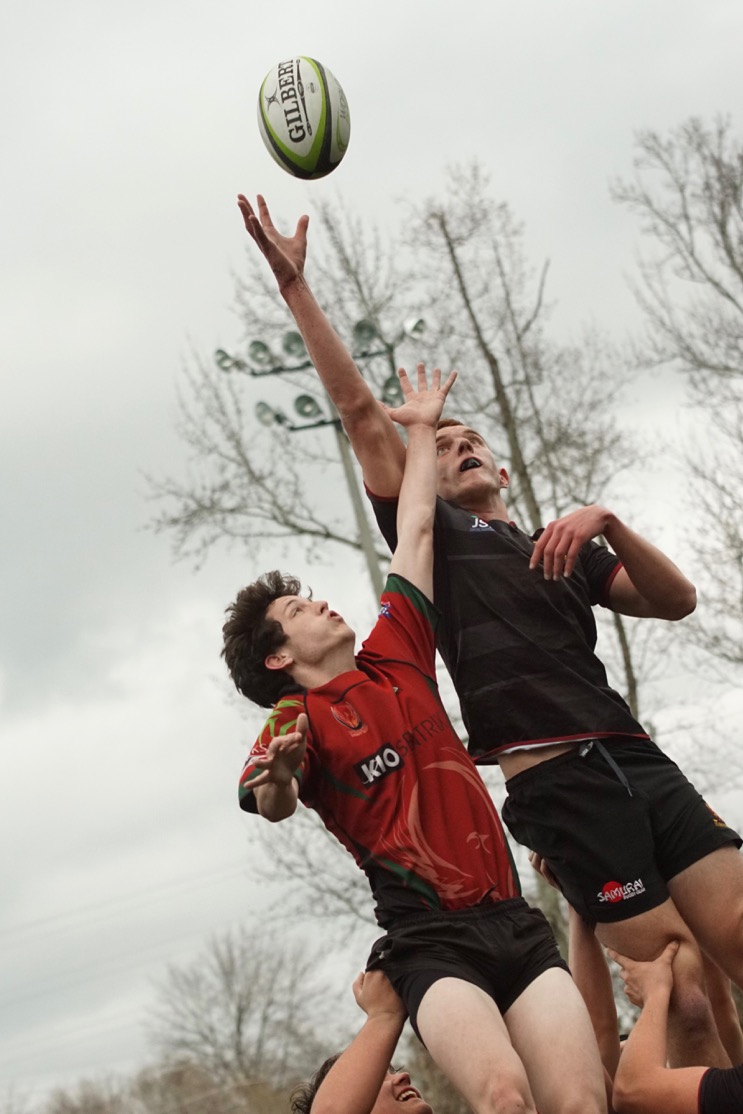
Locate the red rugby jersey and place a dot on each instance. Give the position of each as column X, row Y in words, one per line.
column 388, row 775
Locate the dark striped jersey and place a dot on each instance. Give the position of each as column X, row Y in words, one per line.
column 388, row 775
column 721, row 1091
column 520, row 649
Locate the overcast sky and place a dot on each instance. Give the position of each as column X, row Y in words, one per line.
column 128, row 131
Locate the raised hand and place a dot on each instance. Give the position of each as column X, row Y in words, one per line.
column 285, row 254
column 422, row 406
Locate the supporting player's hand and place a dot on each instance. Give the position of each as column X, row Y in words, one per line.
column 642, row 978
column 376, row 996
column 542, row 867
column 422, row 406
column 560, row 543
column 283, row 757
column 285, row 254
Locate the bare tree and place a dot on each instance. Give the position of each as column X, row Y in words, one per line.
column 246, row 1011
column 185, row 1088
column 166, row 1088
column 687, row 193
column 325, row 882
column 106, row 1096
column 14, row 1102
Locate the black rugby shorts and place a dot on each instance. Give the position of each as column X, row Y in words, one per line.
column 500, row 947
column 616, row 820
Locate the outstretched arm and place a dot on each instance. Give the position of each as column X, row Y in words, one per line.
column 275, row 788
column 648, row 586
column 413, row 556
column 643, row 1084
column 352, row 1085
column 374, row 439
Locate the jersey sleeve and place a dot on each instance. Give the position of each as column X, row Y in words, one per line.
column 600, row 566
column 281, row 721
column 405, row 629
column 385, row 512
column 721, row 1091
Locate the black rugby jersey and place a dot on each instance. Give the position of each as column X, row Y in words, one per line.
column 520, row 649
column 721, row 1091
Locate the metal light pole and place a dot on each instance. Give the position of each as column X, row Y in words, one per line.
column 261, row 361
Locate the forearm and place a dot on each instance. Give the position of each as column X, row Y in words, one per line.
column 276, row 802
column 335, row 366
column 591, row 975
column 664, row 590
column 644, row 1055
column 413, row 557
column 417, row 501
column 374, row 438
column 353, row 1083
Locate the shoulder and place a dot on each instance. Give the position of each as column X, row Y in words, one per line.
column 404, row 596
column 404, row 630
column 282, row 719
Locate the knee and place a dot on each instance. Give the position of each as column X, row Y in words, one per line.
column 508, row 1096
column 581, row 1103
column 690, row 1009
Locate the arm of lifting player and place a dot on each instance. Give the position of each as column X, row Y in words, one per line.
column 643, row 1084
column 352, row 1085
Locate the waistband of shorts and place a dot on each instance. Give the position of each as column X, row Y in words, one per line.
column 470, row 913
column 575, row 754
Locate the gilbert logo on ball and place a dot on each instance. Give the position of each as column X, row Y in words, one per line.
column 303, row 117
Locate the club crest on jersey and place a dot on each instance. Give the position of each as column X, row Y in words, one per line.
column 348, row 717
column 377, row 766
column 479, row 523
column 716, row 820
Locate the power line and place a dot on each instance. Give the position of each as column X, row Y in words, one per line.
column 161, row 890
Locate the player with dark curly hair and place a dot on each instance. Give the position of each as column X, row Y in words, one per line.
column 364, row 740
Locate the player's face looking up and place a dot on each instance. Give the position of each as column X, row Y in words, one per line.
column 312, row 628
column 466, row 466
column 396, row 1091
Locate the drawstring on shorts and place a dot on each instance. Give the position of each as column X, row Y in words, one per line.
column 585, row 748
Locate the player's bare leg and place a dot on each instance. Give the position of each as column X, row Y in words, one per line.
column 552, row 1033
column 692, row 1034
column 465, row 1034
column 709, row 896
column 720, row 994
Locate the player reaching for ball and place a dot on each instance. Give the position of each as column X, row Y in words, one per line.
column 632, row 844
column 365, row 741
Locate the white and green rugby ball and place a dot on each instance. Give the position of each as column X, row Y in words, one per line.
column 303, row 117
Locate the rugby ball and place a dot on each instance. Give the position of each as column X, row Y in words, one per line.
column 303, row 117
